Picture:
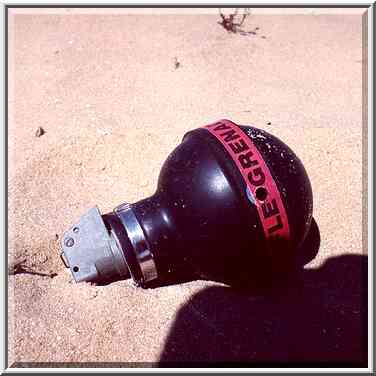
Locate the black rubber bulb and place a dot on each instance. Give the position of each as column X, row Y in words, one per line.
column 233, row 204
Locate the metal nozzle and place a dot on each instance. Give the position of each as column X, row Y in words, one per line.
column 91, row 251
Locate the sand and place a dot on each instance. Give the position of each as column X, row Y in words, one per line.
column 106, row 91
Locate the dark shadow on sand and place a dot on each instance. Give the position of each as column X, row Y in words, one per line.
column 317, row 318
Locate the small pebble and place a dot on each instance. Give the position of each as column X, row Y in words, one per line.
column 40, row 132
column 94, row 295
column 103, row 132
column 176, row 63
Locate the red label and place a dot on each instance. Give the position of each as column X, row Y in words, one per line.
column 262, row 190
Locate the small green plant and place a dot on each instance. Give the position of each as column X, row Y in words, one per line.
column 229, row 22
column 20, row 267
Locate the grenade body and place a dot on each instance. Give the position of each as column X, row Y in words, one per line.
column 232, row 204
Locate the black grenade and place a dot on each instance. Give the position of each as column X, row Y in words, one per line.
column 233, row 204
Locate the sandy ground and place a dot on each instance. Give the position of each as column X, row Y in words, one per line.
column 105, row 90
